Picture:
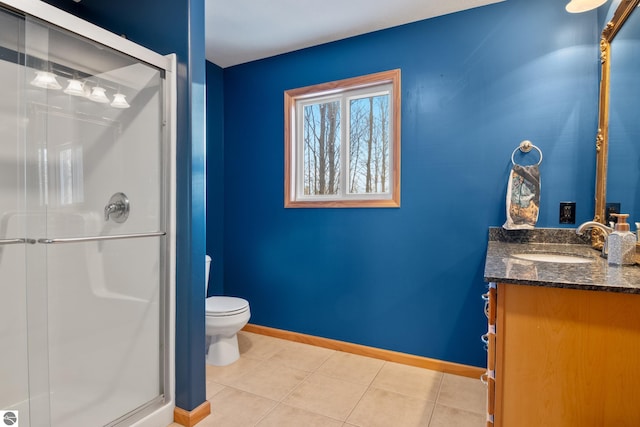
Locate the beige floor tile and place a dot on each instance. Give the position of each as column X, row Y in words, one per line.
column 408, row 380
column 322, row 387
column 302, row 356
column 445, row 416
column 382, row 408
column 213, row 388
column 271, row 380
column 351, row 367
column 257, row 346
column 288, row 416
column 326, row 396
column 236, row 408
column 230, row 373
column 464, row 393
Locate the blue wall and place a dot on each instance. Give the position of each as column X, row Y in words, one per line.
column 175, row 26
column 215, row 176
column 474, row 84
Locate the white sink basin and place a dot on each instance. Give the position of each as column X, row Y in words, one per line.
column 551, row 257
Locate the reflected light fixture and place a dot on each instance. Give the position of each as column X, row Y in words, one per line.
column 579, row 6
column 46, row 80
column 119, row 101
column 75, row 88
column 98, row 95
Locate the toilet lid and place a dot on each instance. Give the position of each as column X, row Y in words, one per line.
column 225, row 306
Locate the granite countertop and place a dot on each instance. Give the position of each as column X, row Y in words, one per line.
column 501, row 266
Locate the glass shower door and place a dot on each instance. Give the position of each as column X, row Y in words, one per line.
column 94, row 138
column 14, row 373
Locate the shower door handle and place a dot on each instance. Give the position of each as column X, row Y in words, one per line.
column 15, row 241
column 101, row 238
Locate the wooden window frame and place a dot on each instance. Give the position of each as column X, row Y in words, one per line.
column 371, row 200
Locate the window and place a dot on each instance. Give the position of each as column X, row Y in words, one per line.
column 342, row 143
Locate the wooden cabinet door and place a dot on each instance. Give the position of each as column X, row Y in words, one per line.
column 567, row 357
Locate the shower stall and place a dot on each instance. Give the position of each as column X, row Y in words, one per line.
column 86, row 224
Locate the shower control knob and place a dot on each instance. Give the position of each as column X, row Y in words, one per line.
column 117, row 209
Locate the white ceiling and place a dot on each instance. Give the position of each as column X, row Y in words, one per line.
column 239, row 31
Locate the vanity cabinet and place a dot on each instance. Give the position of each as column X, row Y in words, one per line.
column 563, row 357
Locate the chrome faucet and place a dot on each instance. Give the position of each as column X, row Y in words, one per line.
column 594, row 224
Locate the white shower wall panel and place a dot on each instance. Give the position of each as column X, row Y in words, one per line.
column 104, row 331
column 11, row 143
column 14, row 380
column 94, row 151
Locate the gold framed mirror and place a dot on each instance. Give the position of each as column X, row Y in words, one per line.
column 613, row 27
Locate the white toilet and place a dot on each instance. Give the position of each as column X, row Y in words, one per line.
column 225, row 316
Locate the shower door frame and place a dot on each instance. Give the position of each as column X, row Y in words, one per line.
column 56, row 17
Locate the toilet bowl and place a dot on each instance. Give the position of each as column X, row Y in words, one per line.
column 224, row 317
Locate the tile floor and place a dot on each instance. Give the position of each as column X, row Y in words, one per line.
column 282, row 383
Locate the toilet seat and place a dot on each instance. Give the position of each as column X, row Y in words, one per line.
column 219, row 306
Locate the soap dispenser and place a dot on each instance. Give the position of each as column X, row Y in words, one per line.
column 621, row 243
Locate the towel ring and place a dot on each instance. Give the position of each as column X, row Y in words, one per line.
column 525, row 147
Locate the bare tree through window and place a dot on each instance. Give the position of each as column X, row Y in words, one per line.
column 322, row 148
column 369, row 145
column 342, row 143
